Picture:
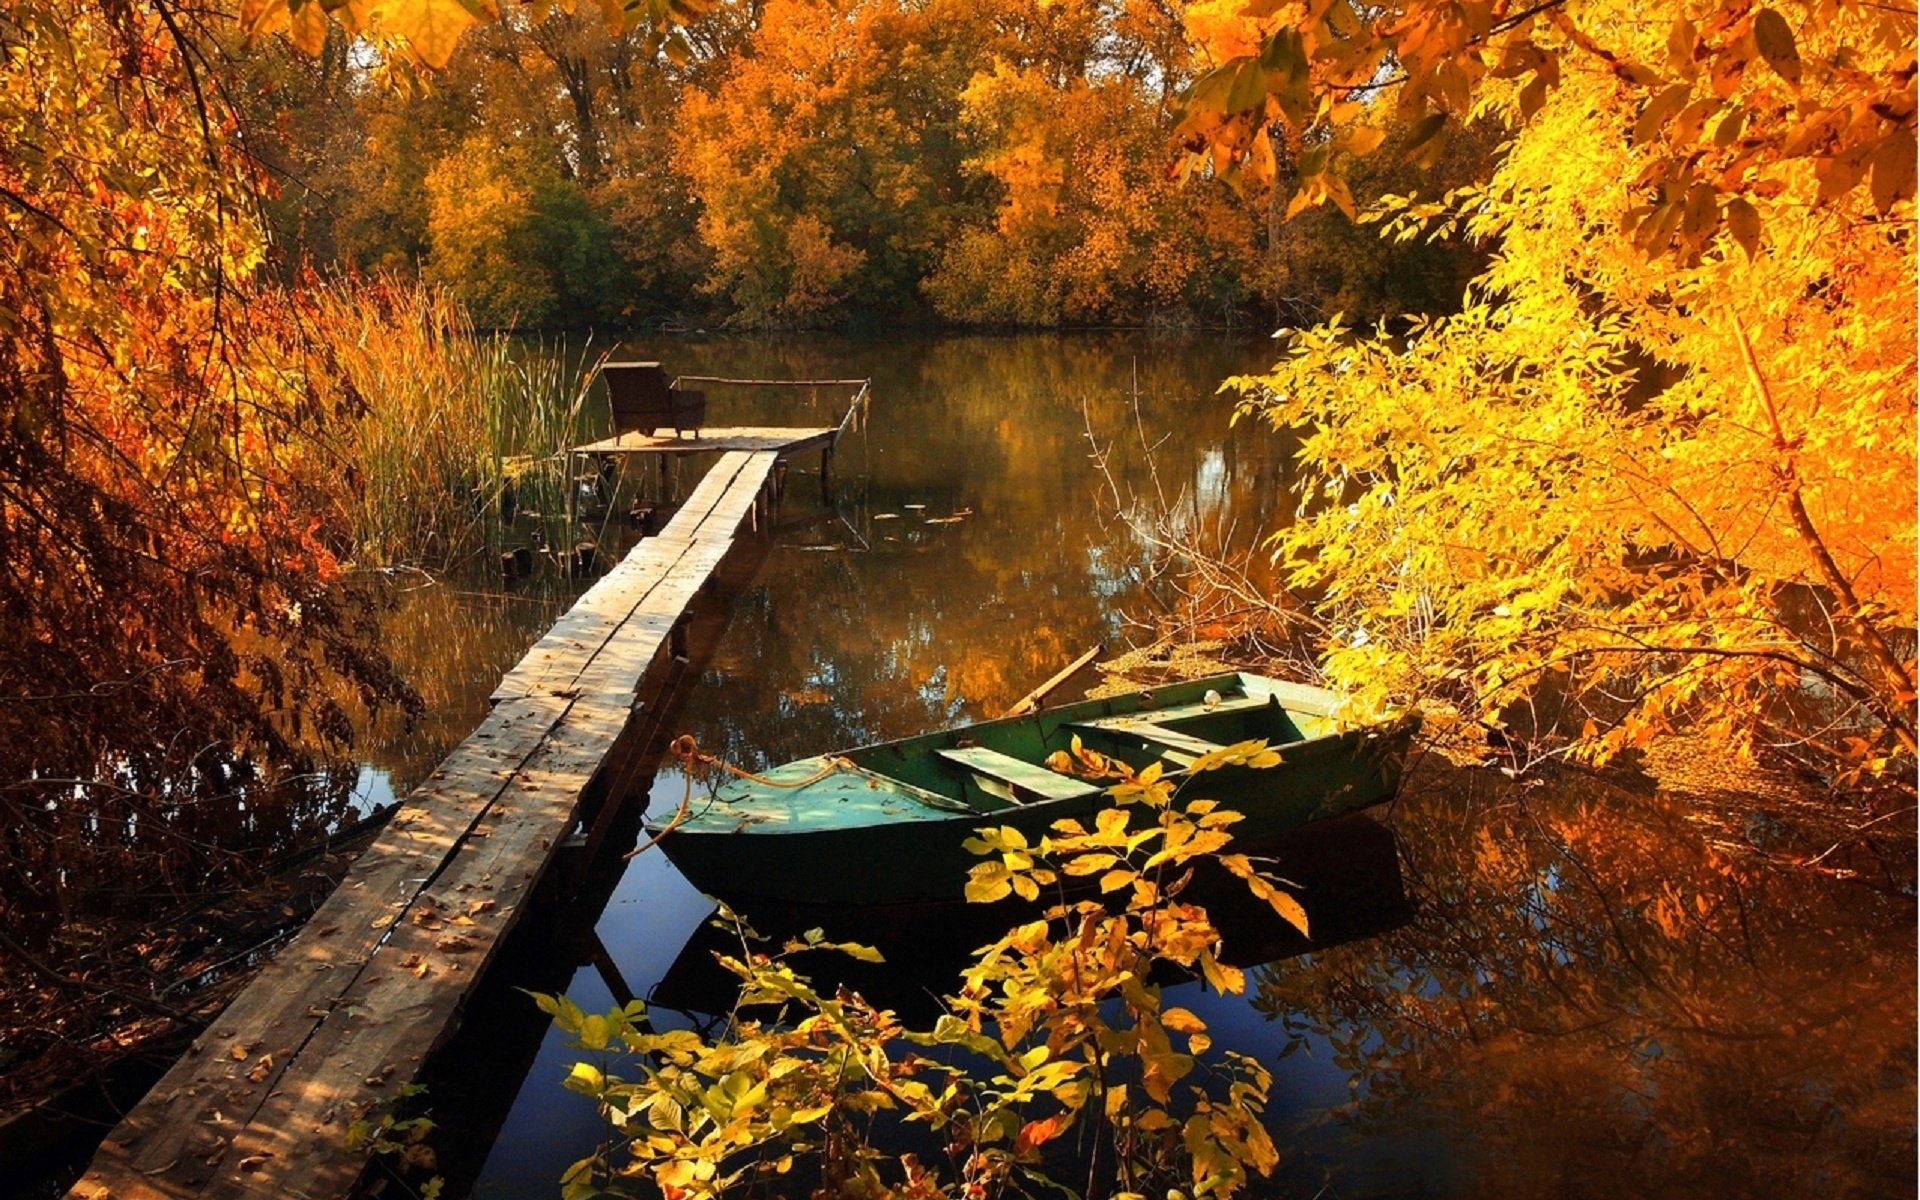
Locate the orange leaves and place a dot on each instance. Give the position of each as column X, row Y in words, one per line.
column 1035, row 1134
column 1513, row 518
column 430, row 30
column 1834, row 68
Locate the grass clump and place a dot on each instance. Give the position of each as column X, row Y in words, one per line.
column 456, row 429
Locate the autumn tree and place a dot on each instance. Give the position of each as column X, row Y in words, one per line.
column 1088, row 226
column 1660, row 469
column 823, row 157
column 168, row 566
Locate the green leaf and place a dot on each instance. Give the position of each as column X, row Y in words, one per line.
column 1208, row 94
column 1249, row 88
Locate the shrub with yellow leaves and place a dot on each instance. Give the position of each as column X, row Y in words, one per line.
column 1058, row 1026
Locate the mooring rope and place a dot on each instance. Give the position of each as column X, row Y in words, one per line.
column 689, row 752
column 692, row 757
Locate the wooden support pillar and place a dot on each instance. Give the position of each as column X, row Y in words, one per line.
column 607, row 969
column 826, row 474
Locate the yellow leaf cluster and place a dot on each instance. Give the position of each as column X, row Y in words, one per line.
column 1636, row 489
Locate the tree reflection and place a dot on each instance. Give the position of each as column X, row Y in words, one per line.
column 892, row 617
column 1601, row 996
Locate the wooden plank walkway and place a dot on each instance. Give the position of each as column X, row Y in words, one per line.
column 345, row 1015
column 733, row 437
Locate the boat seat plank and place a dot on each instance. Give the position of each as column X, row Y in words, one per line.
column 1183, row 744
column 1009, row 770
column 1182, row 712
column 1294, row 697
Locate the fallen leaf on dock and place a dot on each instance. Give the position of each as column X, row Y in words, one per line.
column 262, row 1069
column 453, row 944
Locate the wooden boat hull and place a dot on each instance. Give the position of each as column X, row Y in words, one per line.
column 1344, row 871
column 888, row 827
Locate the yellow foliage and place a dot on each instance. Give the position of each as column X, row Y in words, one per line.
column 1057, row 1015
column 1651, row 483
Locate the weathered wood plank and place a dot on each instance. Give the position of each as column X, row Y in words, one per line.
column 745, row 437
column 559, row 657
column 395, row 1014
column 650, row 580
column 348, row 1011
column 1039, row 780
column 171, row 1143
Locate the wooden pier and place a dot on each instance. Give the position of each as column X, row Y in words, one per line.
column 346, row 1014
column 726, row 439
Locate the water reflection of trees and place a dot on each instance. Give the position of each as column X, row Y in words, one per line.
column 893, row 624
column 1600, row 996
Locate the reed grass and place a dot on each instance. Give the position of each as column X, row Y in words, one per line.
column 451, row 420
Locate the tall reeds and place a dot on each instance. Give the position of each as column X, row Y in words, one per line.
column 457, row 429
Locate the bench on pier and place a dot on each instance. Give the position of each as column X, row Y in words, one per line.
column 644, row 401
column 1010, row 772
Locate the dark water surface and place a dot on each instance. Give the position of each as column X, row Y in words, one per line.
column 1601, row 990
column 1591, row 989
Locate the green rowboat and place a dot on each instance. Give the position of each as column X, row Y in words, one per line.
column 884, row 824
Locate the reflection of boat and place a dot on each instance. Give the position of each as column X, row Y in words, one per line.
column 885, row 824
column 1345, row 872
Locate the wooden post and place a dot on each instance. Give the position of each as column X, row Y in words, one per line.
column 607, row 969
column 1032, row 700
column 826, row 473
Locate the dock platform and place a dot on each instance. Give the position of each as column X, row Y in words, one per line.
column 344, row 1016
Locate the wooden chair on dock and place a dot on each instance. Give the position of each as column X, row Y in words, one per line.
column 643, row 400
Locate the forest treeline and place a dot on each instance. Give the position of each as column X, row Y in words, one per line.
column 805, row 163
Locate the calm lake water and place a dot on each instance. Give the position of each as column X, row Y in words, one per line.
column 1591, row 990
column 1601, row 990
